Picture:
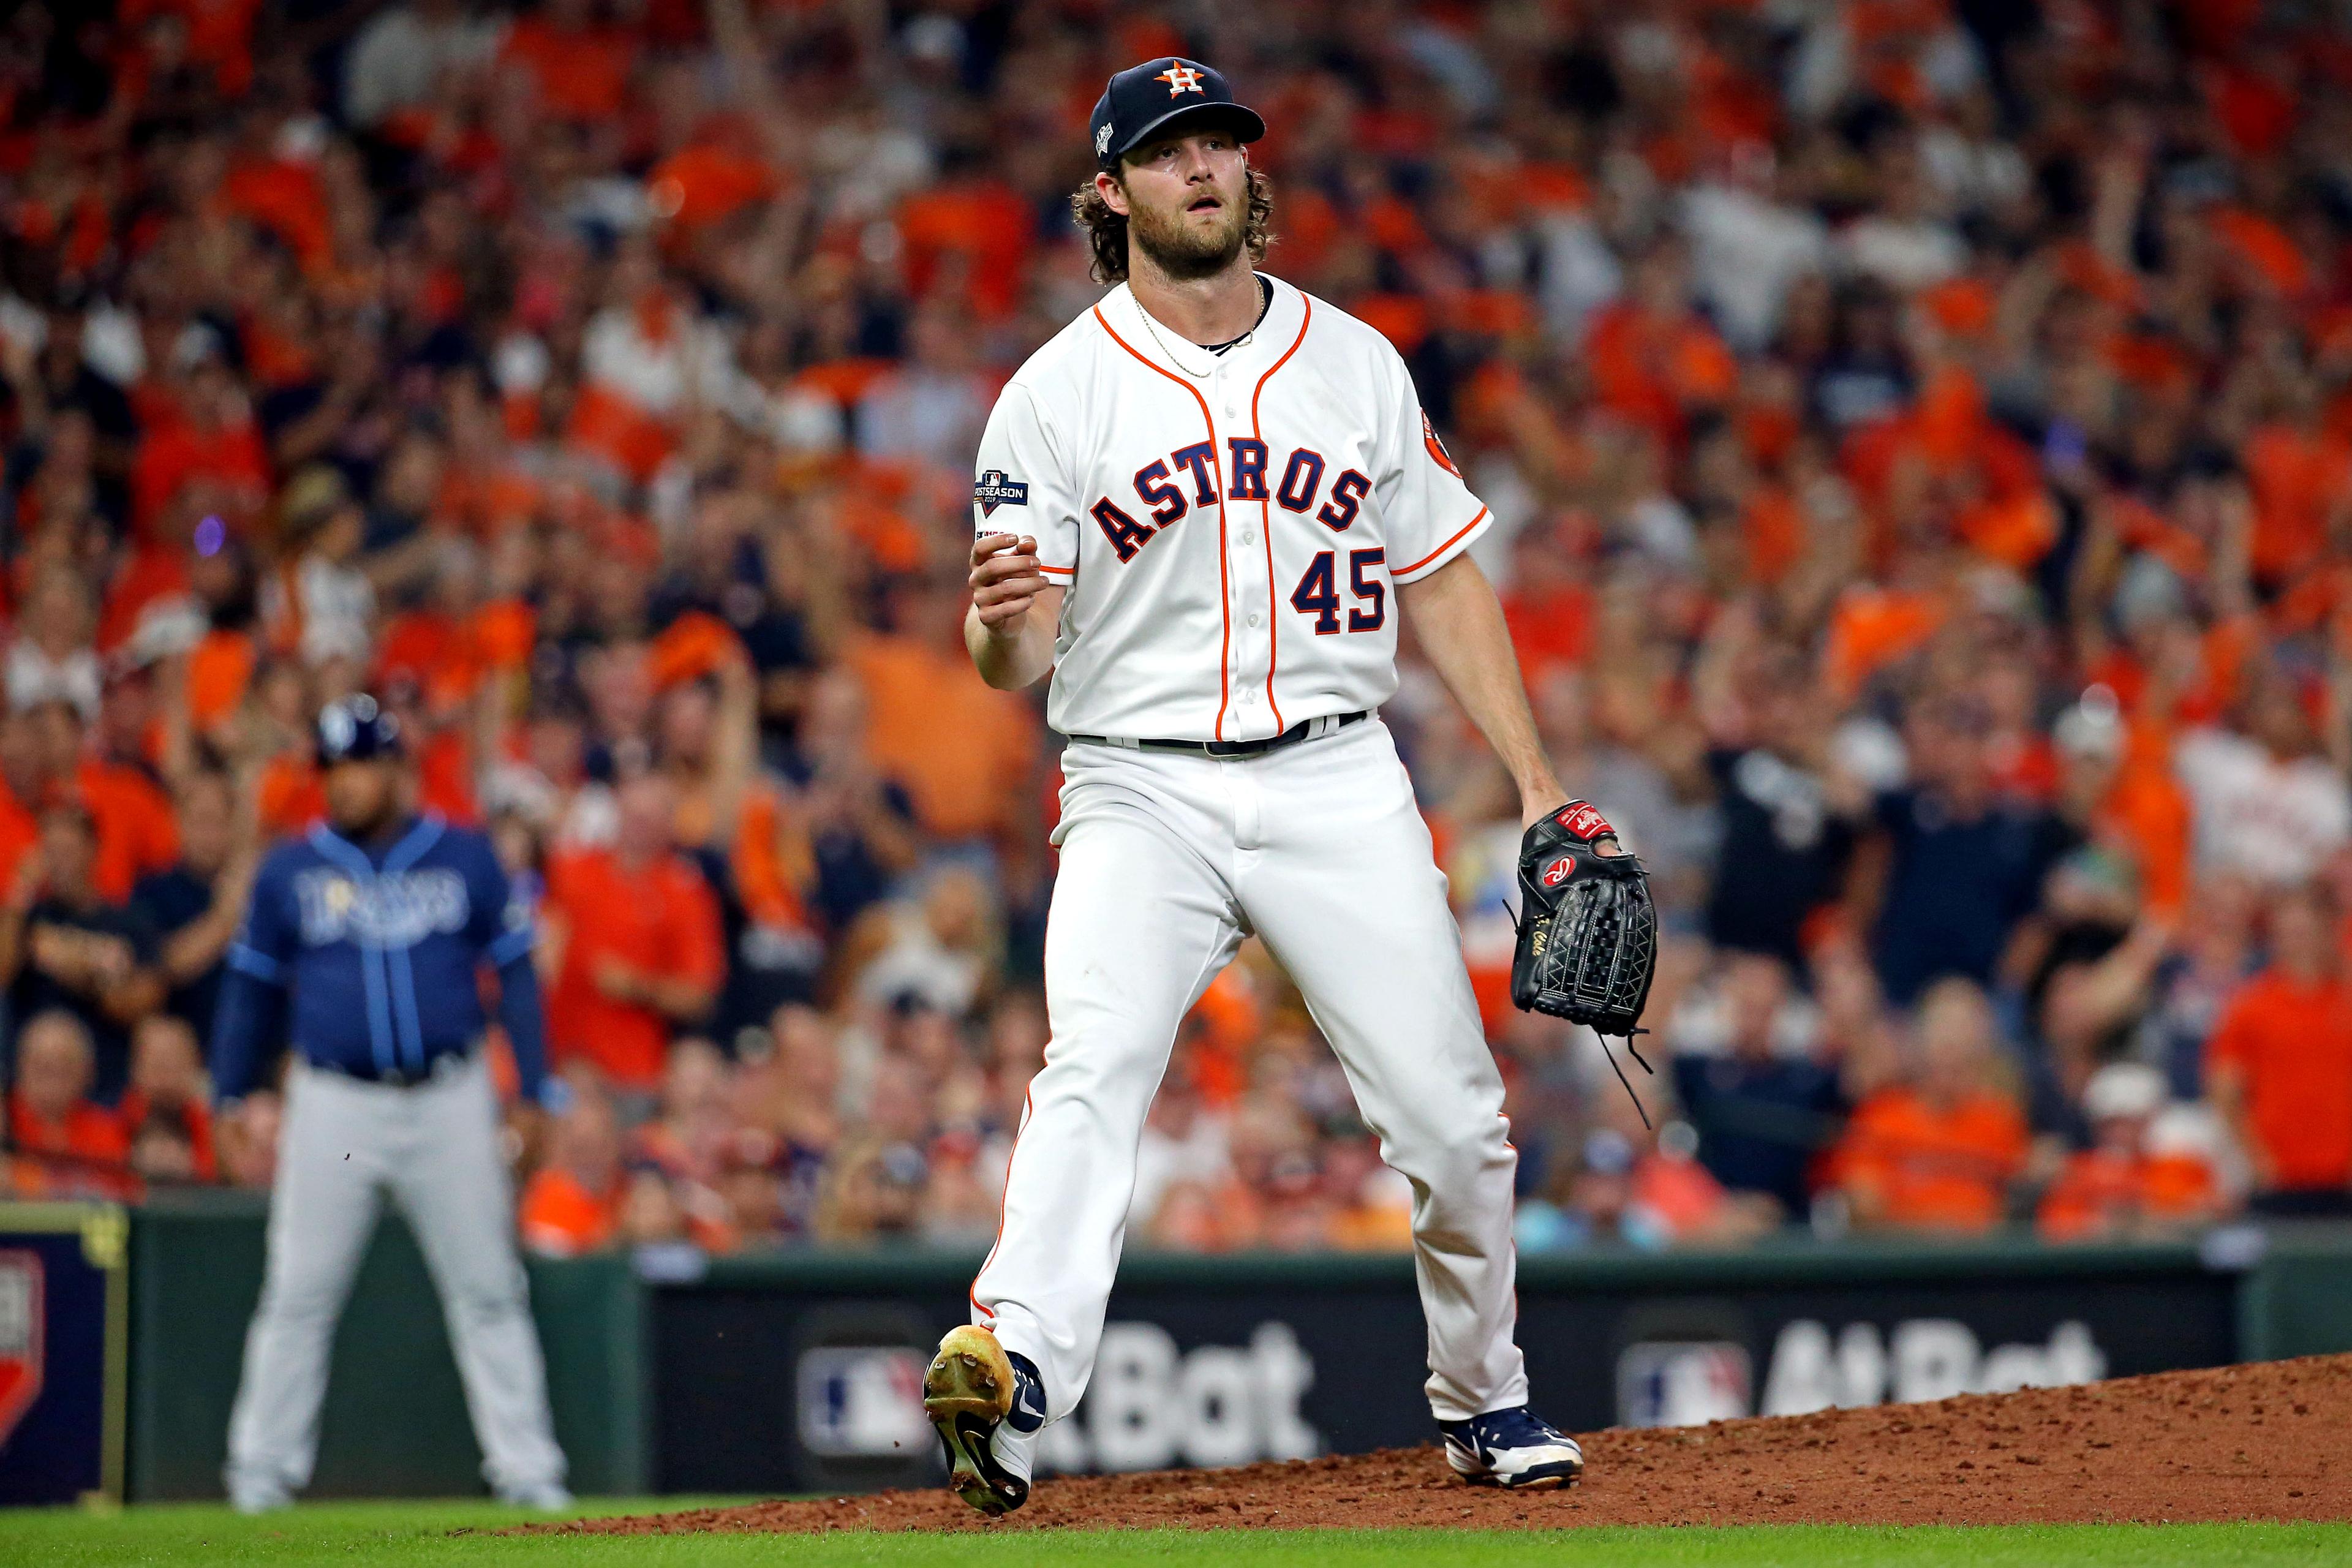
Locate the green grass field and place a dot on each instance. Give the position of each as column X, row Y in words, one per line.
column 406, row 1534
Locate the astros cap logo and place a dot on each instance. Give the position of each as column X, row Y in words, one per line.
column 1181, row 80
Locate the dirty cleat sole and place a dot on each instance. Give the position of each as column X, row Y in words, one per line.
column 967, row 1390
column 1551, row 1474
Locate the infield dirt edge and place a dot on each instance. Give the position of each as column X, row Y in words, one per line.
column 2265, row 1441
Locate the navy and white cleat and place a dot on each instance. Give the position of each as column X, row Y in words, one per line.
column 1514, row 1448
column 987, row 1407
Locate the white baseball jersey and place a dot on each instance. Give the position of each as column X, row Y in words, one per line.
column 1228, row 526
column 1230, row 529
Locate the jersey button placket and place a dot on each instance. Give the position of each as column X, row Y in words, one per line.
column 1246, row 567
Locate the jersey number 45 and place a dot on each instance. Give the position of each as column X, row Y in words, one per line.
column 1318, row 593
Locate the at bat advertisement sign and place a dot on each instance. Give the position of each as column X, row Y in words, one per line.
column 1200, row 1368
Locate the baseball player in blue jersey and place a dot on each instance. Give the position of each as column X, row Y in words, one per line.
column 362, row 948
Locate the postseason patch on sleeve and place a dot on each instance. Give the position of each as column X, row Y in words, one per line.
column 992, row 489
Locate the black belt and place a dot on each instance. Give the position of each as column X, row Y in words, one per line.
column 443, row 1065
column 1305, row 730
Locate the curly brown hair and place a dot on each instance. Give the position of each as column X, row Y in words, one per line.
column 1106, row 231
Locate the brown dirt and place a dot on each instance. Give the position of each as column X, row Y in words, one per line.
column 2266, row 1441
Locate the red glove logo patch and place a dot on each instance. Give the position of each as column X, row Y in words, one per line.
column 1558, row 872
column 1585, row 821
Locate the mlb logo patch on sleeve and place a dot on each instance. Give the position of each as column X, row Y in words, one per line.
column 992, row 489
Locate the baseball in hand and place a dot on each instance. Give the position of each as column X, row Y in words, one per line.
column 1004, row 577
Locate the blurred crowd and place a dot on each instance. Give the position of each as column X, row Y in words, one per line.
column 1919, row 433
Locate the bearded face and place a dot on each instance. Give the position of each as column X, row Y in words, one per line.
column 1188, row 204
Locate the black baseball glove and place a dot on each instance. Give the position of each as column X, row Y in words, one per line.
column 1588, row 930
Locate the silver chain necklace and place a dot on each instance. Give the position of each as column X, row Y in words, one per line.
column 1153, row 328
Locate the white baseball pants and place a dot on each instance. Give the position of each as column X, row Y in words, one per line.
column 1168, row 861
column 434, row 1148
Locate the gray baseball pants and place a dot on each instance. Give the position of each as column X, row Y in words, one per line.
column 434, row 1149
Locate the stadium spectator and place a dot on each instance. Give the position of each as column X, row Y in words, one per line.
column 873, row 1191
column 1763, row 1110
column 2280, row 1062
column 573, row 1202
column 1642, row 1186
column 1768, row 727
column 636, row 937
column 130, row 814
column 322, row 607
column 1939, row 1150
column 1961, row 866
column 699, row 1116
column 64, row 946
column 650, row 1213
column 75, row 1145
column 2139, row 1179
column 194, row 907
column 168, row 1099
column 2269, row 804
column 399, row 59
column 962, row 749
column 51, row 659
column 1916, row 455
column 859, row 822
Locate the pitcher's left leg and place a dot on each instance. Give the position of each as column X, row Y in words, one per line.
column 1346, row 894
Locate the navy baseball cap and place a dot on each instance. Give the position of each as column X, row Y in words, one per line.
column 356, row 730
column 1142, row 100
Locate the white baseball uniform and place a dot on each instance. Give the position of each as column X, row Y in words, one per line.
column 1229, row 528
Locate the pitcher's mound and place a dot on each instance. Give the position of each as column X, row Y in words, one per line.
column 2267, row 1441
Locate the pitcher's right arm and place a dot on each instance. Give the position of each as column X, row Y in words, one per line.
column 1010, row 627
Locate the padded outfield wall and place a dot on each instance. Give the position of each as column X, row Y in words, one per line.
column 798, row 1370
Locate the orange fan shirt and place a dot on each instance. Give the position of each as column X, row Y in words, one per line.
column 1934, row 1169
column 661, row 918
column 138, row 833
column 960, row 746
column 196, row 1116
column 562, row 1218
column 582, row 76
column 2293, row 1044
column 20, row 830
column 291, row 798
column 88, row 1131
column 2097, row 1189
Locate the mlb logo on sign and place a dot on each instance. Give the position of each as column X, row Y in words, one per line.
column 1681, row 1382
column 862, row 1401
column 20, row 1337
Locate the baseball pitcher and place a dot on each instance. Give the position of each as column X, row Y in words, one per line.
column 362, row 945
column 1205, row 506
